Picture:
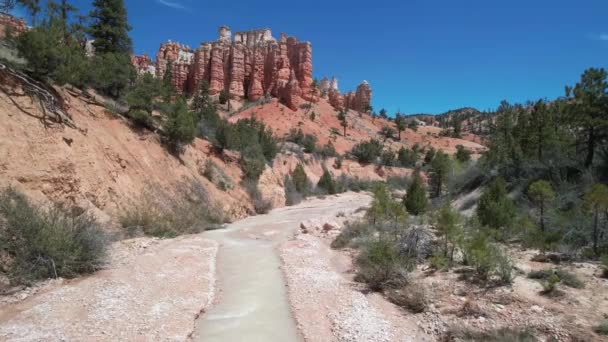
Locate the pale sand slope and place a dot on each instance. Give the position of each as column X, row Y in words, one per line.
column 151, row 290
column 327, row 304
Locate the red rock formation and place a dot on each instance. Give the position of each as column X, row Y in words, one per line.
column 12, row 25
column 291, row 93
column 363, row 98
column 180, row 57
column 143, row 64
column 335, row 99
column 359, row 100
column 253, row 65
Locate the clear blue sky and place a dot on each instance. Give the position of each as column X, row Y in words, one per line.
column 419, row 56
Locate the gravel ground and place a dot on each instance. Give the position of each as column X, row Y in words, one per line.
column 327, row 304
column 151, row 290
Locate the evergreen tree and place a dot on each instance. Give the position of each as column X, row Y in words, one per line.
column 416, row 201
column 430, row 155
column 462, row 154
column 300, row 180
column 541, row 192
column 400, row 123
column 110, row 27
column 590, row 110
column 448, row 223
column 343, row 122
column 495, row 209
column 441, row 167
column 180, row 127
column 383, row 113
column 596, row 200
column 327, row 183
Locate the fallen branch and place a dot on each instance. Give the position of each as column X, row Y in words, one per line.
column 50, row 103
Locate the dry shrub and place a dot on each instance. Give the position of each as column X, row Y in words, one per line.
column 412, row 297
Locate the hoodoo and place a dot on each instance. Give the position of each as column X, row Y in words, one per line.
column 249, row 65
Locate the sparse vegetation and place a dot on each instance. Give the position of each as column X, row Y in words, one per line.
column 559, row 276
column 158, row 213
column 367, row 152
column 217, row 176
column 43, row 243
column 601, row 329
column 381, row 266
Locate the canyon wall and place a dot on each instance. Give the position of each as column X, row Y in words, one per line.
column 250, row 65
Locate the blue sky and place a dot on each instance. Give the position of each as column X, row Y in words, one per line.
column 419, row 55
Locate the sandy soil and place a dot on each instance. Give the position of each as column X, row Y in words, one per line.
column 361, row 128
column 151, row 290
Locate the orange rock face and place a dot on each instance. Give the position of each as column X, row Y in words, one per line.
column 251, row 65
column 143, row 64
column 12, row 25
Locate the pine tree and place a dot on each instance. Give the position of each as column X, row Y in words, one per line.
column 541, row 192
column 495, row 208
column 110, row 28
column 596, row 200
column 300, row 180
column 327, row 183
column 416, row 201
column 180, row 127
column 343, row 122
column 440, row 169
column 590, row 110
column 400, row 123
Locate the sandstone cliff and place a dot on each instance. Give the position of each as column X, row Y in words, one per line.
column 250, row 65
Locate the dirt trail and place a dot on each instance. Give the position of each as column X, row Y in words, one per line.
column 152, row 290
column 253, row 301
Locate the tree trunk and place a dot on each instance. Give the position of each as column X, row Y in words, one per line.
column 542, row 217
column 590, row 148
column 345, row 131
column 595, row 232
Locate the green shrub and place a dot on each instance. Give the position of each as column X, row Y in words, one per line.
column 224, row 97
column 439, row 262
column 327, row 183
column 487, row 259
column 48, row 243
column 300, row 179
column 367, row 152
column 462, row 154
column 351, row 232
column 328, row 150
column 495, row 208
column 156, row 213
column 605, row 264
column 387, row 158
column 565, row 277
column 416, row 201
column 601, row 329
column 407, row 157
column 381, row 266
column 550, row 284
column 309, row 143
